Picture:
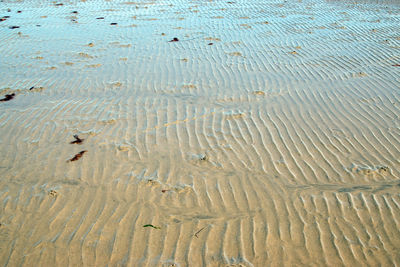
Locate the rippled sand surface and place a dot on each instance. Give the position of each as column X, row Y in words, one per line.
column 209, row 133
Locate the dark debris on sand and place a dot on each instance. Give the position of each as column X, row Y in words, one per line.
column 77, row 156
column 8, row 97
column 174, row 40
column 77, row 140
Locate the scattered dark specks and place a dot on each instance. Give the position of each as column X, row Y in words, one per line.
column 8, row 97
column 77, row 156
column 13, row 27
column 174, row 40
column 113, row 23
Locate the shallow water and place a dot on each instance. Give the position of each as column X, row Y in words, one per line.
column 267, row 135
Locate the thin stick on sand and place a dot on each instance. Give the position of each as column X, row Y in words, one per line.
column 198, row 232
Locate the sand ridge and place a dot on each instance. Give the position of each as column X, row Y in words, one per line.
column 276, row 145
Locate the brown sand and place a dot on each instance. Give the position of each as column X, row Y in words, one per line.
column 277, row 145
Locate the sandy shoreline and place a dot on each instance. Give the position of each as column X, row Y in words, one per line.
column 265, row 134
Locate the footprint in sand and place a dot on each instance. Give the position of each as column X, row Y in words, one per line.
column 53, row 193
column 359, row 74
column 260, row 93
column 236, row 54
column 189, row 86
column 212, row 39
column 36, row 89
column 234, row 115
column 246, row 26
column 368, row 170
column 93, row 66
column 125, row 45
column 84, row 55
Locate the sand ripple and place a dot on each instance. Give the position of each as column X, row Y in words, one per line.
column 267, row 135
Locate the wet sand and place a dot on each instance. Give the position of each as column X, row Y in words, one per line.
column 212, row 133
